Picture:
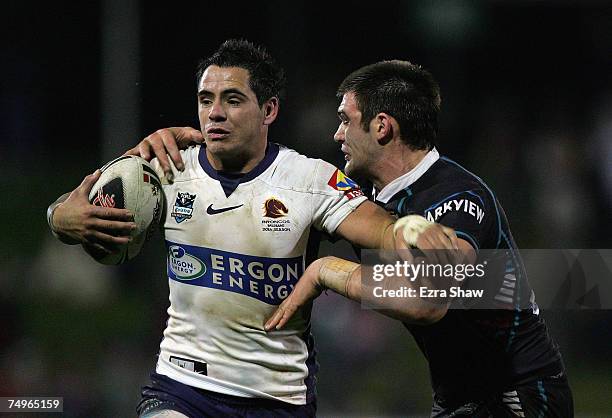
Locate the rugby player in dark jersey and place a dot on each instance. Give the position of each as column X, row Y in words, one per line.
column 497, row 362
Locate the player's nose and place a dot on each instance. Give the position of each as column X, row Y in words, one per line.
column 217, row 112
column 339, row 135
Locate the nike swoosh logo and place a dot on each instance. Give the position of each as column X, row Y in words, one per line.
column 212, row 211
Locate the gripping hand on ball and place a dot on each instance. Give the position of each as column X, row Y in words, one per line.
column 99, row 229
column 167, row 142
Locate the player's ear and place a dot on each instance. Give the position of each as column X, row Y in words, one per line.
column 384, row 127
column 270, row 109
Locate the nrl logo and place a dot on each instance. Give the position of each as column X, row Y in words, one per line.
column 183, row 207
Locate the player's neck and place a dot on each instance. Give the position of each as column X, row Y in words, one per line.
column 395, row 164
column 240, row 163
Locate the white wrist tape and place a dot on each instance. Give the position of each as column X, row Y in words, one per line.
column 335, row 274
column 413, row 226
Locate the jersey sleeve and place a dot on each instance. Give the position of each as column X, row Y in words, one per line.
column 468, row 212
column 334, row 197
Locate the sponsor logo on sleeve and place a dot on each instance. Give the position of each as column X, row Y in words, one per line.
column 183, row 207
column 456, row 205
column 339, row 181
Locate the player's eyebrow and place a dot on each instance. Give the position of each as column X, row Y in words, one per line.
column 226, row 92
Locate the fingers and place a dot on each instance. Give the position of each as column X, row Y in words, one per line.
column 112, row 214
column 159, row 144
column 134, row 151
column 165, row 143
column 400, row 241
column 169, row 140
column 185, row 136
column 88, row 182
column 275, row 319
column 282, row 315
column 108, row 241
column 435, row 238
column 156, row 143
column 114, row 228
column 440, row 246
column 452, row 236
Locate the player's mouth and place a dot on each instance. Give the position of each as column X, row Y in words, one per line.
column 347, row 156
column 215, row 133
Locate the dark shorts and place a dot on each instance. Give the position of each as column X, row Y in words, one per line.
column 165, row 393
column 542, row 398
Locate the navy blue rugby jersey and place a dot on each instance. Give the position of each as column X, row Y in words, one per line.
column 476, row 351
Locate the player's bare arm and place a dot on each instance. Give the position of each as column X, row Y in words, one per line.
column 76, row 221
column 368, row 226
column 164, row 144
column 344, row 277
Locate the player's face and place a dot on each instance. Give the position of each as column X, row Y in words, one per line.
column 357, row 145
column 231, row 119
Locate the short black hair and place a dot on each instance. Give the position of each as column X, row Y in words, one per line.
column 266, row 78
column 403, row 90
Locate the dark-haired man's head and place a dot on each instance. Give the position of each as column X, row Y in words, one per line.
column 266, row 78
column 238, row 91
column 402, row 90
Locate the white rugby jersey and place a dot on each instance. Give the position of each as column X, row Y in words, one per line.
column 236, row 247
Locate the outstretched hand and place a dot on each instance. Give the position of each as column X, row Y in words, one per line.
column 167, row 142
column 99, row 228
column 307, row 288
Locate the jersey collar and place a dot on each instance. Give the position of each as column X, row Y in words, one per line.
column 230, row 181
column 407, row 179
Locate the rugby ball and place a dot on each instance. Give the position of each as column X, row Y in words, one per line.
column 129, row 182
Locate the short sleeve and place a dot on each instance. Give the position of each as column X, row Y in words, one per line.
column 334, row 197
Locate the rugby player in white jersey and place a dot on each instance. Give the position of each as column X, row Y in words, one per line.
column 243, row 214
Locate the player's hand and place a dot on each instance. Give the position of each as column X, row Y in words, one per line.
column 99, row 228
column 439, row 242
column 167, row 142
column 306, row 289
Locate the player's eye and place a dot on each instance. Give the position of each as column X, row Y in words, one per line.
column 234, row 101
column 205, row 102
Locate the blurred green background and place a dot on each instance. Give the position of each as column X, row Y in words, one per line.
column 527, row 105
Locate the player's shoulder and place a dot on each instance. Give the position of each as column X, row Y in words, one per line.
column 190, row 157
column 300, row 172
column 448, row 178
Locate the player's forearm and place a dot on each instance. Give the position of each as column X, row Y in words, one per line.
column 341, row 276
column 344, row 277
column 50, row 214
column 368, row 226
